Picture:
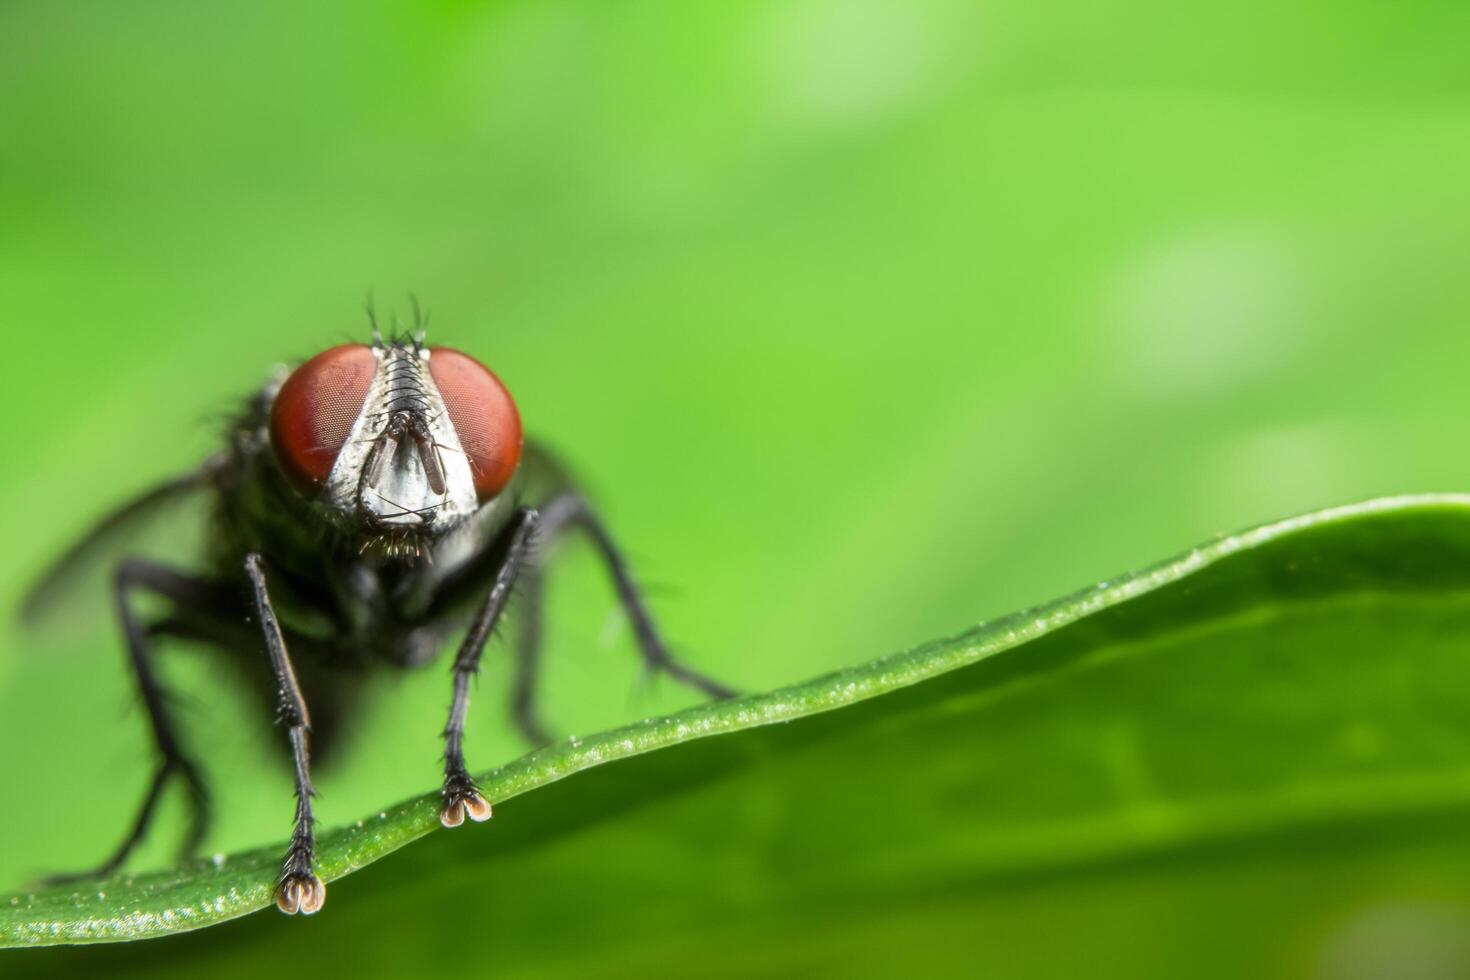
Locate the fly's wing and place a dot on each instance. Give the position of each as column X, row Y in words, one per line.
column 82, row 569
column 543, row 473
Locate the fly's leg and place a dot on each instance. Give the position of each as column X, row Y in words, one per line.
column 134, row 574
column 528, row 659
column 570, row 510
column 461, row 796
column 565, row 512
column 298, row 889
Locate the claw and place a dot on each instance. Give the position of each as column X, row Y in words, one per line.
column 301, row 892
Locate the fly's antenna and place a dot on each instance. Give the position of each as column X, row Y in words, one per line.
column 372, row 315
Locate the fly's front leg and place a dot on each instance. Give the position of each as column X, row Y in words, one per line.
column 298, row 889
column 461, row 796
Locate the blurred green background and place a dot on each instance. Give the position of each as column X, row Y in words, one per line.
column 864, row 320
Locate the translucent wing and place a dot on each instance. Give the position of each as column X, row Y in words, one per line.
column 543, row 472
column 81, row 569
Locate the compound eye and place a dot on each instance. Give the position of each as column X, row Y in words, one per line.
column 315, row 410
column 484, row 417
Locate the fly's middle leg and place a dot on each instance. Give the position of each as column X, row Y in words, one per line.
column 565, row 512
column 528, row 658
column 185, row 592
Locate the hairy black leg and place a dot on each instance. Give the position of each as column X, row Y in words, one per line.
column 461, row 796
column 239, row 636
column 298, row 889
column 185, row 591
column 571, row 510
column 528, row 659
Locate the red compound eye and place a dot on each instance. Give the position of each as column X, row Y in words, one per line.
column 315, row 410
column 484, row 417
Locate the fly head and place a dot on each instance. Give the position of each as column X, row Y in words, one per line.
column 399, row 442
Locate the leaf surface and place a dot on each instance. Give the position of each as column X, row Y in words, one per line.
column 1299, row 689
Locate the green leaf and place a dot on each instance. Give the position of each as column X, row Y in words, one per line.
column 1296, row 689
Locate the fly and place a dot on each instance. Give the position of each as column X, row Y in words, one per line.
column 368, row 507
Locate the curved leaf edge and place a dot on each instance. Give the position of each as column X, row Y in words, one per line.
column 137, row 906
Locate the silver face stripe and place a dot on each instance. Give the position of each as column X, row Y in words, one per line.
column 402, row 497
